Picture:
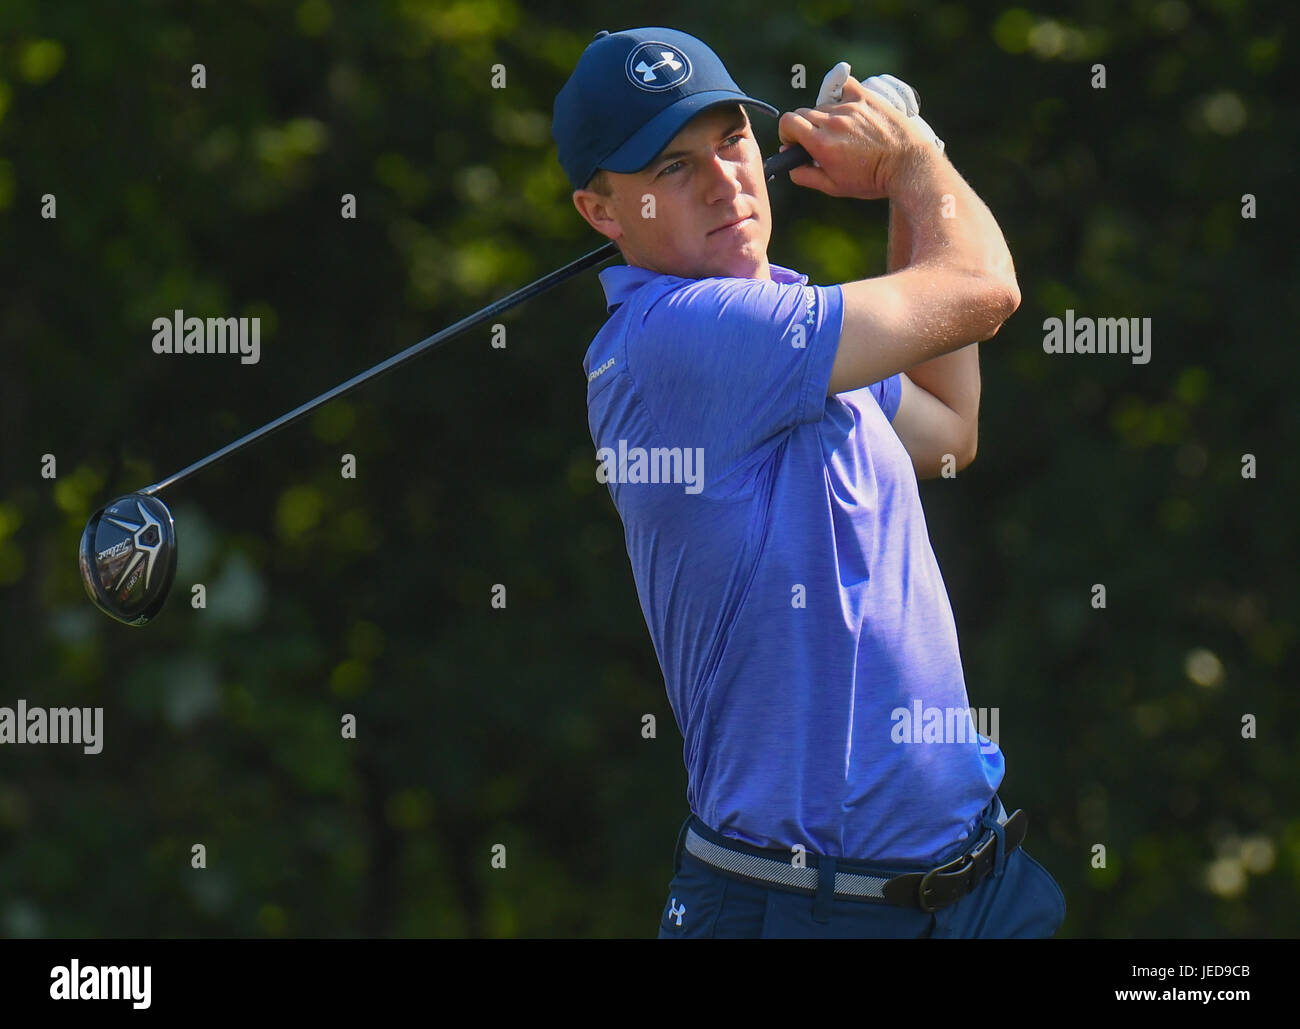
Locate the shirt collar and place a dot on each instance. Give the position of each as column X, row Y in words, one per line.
column 621, row 281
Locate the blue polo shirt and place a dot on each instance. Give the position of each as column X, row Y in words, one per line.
column 784, row 567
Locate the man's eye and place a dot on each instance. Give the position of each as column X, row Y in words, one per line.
column 673, row 168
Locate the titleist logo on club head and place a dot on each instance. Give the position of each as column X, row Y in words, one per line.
column 181, row 335
column 120, row 547
column 146, row 540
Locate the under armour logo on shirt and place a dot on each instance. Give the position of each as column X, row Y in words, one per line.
column 810, row 302
column 676, row 911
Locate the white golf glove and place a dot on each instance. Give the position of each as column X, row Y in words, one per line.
column 895, row 90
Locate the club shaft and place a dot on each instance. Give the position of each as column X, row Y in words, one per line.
column 603, row 253
column 783, row 161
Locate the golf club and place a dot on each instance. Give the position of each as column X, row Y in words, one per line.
column 127, row 555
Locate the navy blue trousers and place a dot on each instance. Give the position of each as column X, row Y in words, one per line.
column 1023, row 902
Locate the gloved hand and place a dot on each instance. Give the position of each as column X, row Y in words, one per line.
column 895, row 90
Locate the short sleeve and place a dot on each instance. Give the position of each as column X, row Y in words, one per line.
column 733, row 364
column 888, row 393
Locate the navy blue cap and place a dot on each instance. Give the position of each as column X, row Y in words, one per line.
column 631, row 93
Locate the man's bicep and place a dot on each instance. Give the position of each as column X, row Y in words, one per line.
column 874, row 321
column 895, row 321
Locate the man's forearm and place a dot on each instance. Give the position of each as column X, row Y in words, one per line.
column 953, row 378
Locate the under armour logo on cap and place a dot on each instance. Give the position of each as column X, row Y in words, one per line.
column 656, row 66
column 631, row 92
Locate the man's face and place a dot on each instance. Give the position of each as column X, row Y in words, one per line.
column 708, row 176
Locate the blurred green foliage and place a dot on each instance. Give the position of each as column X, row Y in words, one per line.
column 479, row 726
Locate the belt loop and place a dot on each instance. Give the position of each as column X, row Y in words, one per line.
column 825, row 889
column 999, row 830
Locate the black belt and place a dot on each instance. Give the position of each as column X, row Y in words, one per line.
column 929, row 891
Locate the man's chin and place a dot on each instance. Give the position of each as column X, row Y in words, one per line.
column 744, row 267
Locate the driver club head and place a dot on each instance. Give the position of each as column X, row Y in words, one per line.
column 128, row 557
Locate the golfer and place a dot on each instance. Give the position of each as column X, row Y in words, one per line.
column 762, row 439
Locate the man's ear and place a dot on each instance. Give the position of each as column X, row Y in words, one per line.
column 598, row 210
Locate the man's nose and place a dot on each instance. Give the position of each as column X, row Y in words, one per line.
column 723, row 178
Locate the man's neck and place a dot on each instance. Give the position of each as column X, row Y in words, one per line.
column 762, row 271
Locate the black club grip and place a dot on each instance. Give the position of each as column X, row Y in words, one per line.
column 791, row 157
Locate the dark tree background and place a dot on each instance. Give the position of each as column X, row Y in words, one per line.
column 1122, row 726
